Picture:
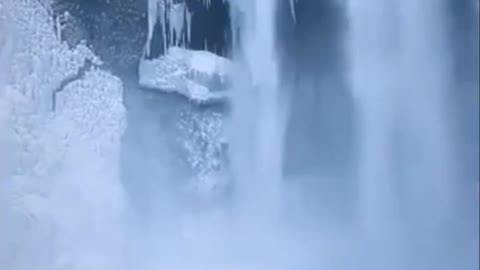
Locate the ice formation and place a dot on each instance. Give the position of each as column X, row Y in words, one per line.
column 53, row 208
column 199, row 75
column 188, row 19
column 174, row 19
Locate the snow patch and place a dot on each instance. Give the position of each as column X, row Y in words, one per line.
column 199, row 75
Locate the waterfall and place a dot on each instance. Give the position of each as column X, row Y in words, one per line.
column 400, row 79
column 258, row 114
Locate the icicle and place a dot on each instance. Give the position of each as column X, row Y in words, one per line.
column 152, row 20
column 172, row 18
column 163, row 24
column 292, row 9
column 189, row 24
column 177, row 21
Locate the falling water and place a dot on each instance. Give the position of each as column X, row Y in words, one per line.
column 258, row 116
column 373, row 79
column 399, row 80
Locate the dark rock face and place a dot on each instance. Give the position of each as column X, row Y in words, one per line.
column 210, row 27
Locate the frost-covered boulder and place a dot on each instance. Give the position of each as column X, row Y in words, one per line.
column 200, row 76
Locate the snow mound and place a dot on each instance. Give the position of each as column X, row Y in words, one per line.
column 200, row 76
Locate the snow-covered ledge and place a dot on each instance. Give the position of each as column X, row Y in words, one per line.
column 200, row 76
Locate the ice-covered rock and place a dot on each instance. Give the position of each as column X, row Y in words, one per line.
column 91, row 120
column 62, row 192
column 199, row 75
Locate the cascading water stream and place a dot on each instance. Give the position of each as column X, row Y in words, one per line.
column 399, row 80
column 426, row 81
column 258, row 120
column 374, row 84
